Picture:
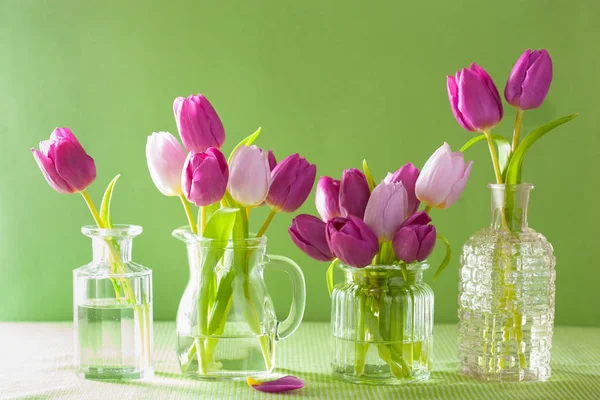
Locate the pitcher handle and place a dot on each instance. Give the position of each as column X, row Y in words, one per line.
column 288, row 326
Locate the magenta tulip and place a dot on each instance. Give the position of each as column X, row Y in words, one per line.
column 165, row 158
column 387, row 209
column 529, row 80
column 292, row 182
column 272, row 160
column 408, row 175
column 249, row 176
column 64, row 163
column 474, row 99
column 351, row 240
column 443, row 178
column 308, row 233
column 198, row 123
column 327, row 198
column 354, row 193
column 415, row 240
column 204, row 178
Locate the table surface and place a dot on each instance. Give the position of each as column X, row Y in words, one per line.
column 36, row 363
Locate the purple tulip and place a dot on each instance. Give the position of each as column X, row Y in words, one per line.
column 352, row 241
column 272, row 160
column 474, row 99
column 165, row 158
column 204, row 177
column 529, row 80
column 292, row 181
column 443, row 178
column 283, row 384
column 415, row 239
column 198, row 123
column 354, row 193
column 408, row 175
column 386, row 209
column 308, row 233
column 327, row 198
column 64, row 163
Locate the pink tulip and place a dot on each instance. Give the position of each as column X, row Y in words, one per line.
column 64, row 163
column 308, row 233
column 198, row 123
column 351, row 240
column 408, row 175
column 204, row 178
column 292, row 182
column 354, row 193
column 529, row 80
column 165, row 158
column 443, row 178
column 249, row 176
column 327, row 198
column 387, row 209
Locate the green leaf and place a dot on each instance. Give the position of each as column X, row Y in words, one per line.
column 370, row 179
column 105, row 207
column 504, row 149
column 245, row 142
column 330, row 271
column 220, row 225
column 446, row 259
column 513, row 173
column 211, row 209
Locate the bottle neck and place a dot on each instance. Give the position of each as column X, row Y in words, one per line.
column 109, row 250
column 509, row 206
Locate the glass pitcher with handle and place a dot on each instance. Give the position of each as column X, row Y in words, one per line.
column 226, row 322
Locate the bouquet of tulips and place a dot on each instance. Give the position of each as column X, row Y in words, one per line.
column 364, row 223
column 225, row 190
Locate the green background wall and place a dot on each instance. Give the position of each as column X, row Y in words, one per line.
column 337, row 81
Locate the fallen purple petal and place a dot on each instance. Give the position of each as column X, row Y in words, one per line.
column 282, row 384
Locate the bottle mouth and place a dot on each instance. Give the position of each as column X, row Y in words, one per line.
column 187, row 236
column 118, row 230
column 386, row 269
column 515, row 187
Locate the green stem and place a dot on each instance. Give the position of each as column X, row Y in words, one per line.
column 93, row 210
column 267, row 222
column 189, row 214
column 494, row 155
column 427, row 209
column 517, row 131
column 204, row 220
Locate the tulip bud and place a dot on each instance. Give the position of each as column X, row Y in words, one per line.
column 308, row 233
column 408, row 175
column 204, row 177
column 165, row 158
column 249, row 176
column 351, row 240
column 474, row 99
column 414, row 242
column 198, row 123
column 64, row 163
column 292, row 181
column 272, row 160
column 443, row 178
column 354, row 193
column 327, row 198
column 386, row 209
column 529, row 80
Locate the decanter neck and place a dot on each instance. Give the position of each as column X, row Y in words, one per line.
column 509, row 206
column 109, row 250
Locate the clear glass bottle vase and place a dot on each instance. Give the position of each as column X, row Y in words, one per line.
column 382, row 325
column 112, row 299
column 226, row 323
column 506, row 301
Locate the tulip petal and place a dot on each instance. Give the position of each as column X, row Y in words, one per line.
column 55, row 181
column 513, row 88
column 73, row 164
column 537, row 82
column 453, row 98
column 282, row 384
column 406, row 245
column 419, row 218
column 327, row 198
column 427, row 243
column 309, row 234
column 478, row 105
column 458, row 187
column 490, row 84
column 166, row 159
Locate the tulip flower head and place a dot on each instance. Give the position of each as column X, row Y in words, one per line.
column 352, row 241
column 165, row 158
column 443, row 178
column 327, row 198
column 408, row 175
column 415, row 240
column 64, row 163
column 308, row 233
column 204, row 177
column 198, row 123
column 474, row 99
column 387, row 209
column 249, row 176
column 292, row 182
column 354, row 193
column 529, row 80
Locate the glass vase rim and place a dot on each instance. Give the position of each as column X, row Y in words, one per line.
column 117, row 230
column 515, row 186
column 418, row 266
column 185, row 234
